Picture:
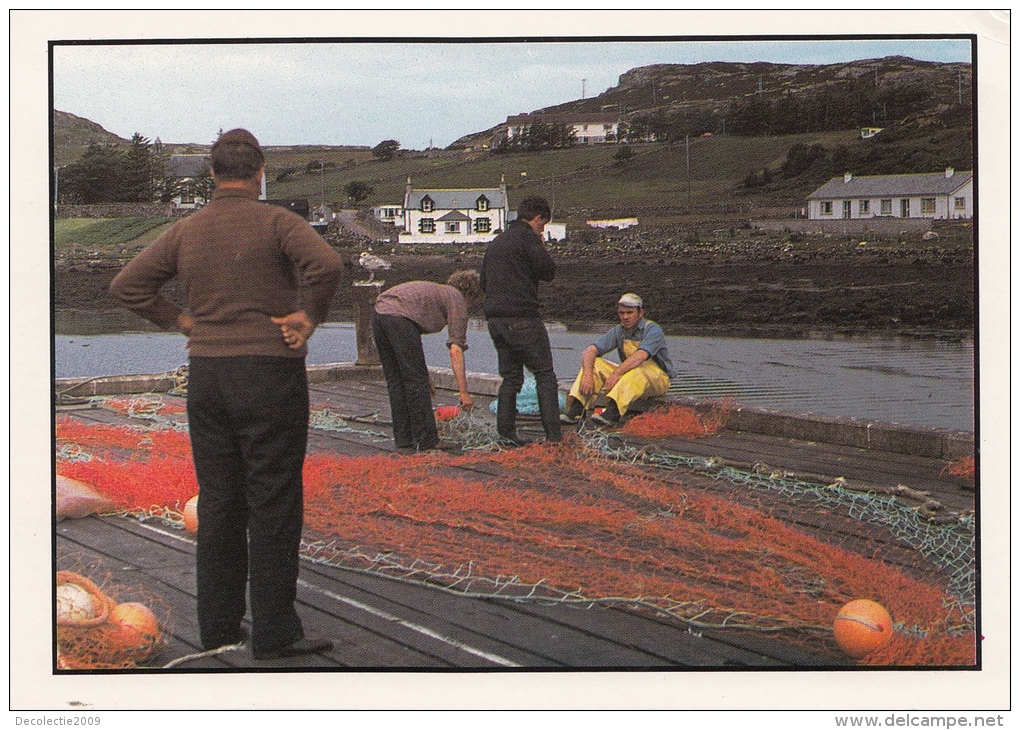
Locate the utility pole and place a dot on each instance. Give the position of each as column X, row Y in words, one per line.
column 687, row 144
column 583, row 85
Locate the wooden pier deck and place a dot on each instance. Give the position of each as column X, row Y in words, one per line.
column 380, row 623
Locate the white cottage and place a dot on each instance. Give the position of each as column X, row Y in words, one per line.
column 453, row 215
column 589, row 128
column 391, row 213
column 940, row 196
column 189, row 176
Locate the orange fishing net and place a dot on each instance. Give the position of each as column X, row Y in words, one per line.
column 581, row 527
column 963, row 468
column 678, row 420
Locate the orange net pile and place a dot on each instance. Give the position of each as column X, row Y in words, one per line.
column 557, row 522
column 141, row 471
column 962, row 468
column 678, row 420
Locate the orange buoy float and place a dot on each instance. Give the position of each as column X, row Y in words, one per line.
column 861, row 627
column 191, row 515
column 447, row 413
column 136, row 628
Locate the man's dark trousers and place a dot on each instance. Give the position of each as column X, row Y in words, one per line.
column 398, row 342
column 248, row 423
column 524, row 343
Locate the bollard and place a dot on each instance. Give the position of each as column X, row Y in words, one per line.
column 365, row 294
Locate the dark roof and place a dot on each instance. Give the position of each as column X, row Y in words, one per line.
column 873, row 186
column 187, row 165
column 454, row 215
column 456, row 199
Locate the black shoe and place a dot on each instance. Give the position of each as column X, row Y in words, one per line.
column 241, row 637
column 516, row 442
column 298, row 648
column 573, row 410
column 610, row 415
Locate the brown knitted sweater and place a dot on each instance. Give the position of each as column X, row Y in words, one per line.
column 238, row 260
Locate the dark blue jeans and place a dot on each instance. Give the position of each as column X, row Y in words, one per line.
column 248, row 424
column 398, row 342
column 524, row 343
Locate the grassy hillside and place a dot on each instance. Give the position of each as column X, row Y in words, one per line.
column 72, row 135
column 581, row 179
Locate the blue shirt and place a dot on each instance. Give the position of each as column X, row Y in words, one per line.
column 648, row 333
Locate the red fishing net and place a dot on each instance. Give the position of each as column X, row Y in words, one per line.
column 584, row 527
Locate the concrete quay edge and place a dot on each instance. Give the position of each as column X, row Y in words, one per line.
column 864, row 434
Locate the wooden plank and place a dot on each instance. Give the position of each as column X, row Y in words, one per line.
column 521, row 626
column 429, row 634
column 354, row 645
column 667, row 639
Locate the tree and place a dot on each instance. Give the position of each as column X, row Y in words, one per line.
column 357, row 190
column 138, row 182
column 96, row 178
column 386, row 150
column 163, row 184
column 623, row 154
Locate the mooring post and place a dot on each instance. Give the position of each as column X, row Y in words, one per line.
column 365, row 294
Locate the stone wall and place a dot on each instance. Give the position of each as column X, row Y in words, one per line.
column 120, row 210
column 849, row 226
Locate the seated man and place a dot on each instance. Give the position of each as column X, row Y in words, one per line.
column 644, row 370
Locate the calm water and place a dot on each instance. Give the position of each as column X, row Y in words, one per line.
column 916, row 382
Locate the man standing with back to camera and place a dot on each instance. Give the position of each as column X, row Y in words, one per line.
column 514, row 263
column 237, row 261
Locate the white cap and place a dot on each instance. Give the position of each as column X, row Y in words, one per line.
column 631, row 300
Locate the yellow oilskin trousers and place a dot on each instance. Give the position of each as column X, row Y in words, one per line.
column 646, row 380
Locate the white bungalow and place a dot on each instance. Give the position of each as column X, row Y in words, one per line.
column 391, row 213
column 453, row 215
column 940, row 196
column 589, row 128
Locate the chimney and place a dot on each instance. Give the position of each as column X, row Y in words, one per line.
column 949, row 172
column 847, row 177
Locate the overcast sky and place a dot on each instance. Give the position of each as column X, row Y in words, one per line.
column 360, row 93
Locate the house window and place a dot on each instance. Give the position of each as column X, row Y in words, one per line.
column 453, row 226
column 905, row 208
column 427, row 205
column 960, row 204
column 427, row 225
column 826, row 207
column 483, row 225
column 846, row 208
column 886, row 207
column 482, row 203
column 927, row 206
column 863, row 207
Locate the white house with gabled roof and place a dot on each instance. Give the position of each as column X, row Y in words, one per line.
column 938, row 196
column 588, row 127
column 453, row 215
